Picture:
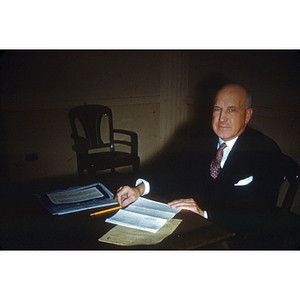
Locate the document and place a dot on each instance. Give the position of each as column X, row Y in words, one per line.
column 144, row 214
column 125, row 236
column 76, row 199
column 76, row 195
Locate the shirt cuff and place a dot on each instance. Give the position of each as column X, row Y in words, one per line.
column 205, row 215
column 146, row 183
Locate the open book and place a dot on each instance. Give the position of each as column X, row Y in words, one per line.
column 144, row 214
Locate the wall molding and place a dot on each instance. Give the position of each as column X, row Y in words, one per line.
column 67, row 104
column 173, row 92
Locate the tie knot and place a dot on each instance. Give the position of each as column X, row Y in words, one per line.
column 223, row 146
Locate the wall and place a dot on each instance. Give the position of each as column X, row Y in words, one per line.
column 39, row 87
column 150, row 92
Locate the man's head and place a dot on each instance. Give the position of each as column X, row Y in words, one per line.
column 232, row 111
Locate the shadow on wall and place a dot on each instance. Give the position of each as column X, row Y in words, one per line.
column 205, row 91
column 199, row 117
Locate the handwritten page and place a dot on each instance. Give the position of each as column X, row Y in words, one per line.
column 144, row 214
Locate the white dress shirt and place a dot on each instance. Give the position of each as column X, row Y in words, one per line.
column 227, row 150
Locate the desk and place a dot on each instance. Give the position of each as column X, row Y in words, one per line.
column 27, row 225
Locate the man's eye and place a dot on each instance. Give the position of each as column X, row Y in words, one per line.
column 231, row 109
column 216, row 108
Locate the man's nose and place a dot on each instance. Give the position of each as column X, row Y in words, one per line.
column 222, row 116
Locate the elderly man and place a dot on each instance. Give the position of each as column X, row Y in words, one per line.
column 225, row 175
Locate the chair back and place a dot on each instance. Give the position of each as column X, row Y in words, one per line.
column 90, row 117
column 291, row 173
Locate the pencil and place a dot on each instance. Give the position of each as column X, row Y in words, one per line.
column 105, row 211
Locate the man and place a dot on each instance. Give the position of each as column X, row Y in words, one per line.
column 235, row 187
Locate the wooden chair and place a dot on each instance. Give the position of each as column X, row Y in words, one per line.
column 93, row 154
column 291, row 173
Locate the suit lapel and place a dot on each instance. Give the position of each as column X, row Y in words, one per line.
column 235, row 160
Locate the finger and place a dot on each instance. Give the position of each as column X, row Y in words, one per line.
column 184, row 207
column 127, row 201
column 179, row 205
column 117, row 195
column 188, row 204
column 119, row 189
column 179, row 201
column 120, row 197
column 174, row 202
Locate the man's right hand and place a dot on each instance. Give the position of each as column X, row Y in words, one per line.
column 126, row 194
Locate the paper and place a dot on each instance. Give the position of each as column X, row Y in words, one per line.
column 76, row 199
column 144, row 214
column 75, row 195
column 125, row 236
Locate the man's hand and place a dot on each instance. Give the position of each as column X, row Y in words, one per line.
column 126, row 194
column 188, row 204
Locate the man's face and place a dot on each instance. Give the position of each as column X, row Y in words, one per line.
column 230, row 117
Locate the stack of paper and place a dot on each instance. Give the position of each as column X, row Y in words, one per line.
column 144, row 214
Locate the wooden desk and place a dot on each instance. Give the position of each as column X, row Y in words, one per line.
column 27, row 225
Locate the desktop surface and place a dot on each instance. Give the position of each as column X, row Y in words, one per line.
column 25, row 224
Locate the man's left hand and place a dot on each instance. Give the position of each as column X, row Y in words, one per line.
column 188, row 204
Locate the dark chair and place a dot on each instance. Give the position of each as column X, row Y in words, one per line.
column 291, row 173
column 93, row 154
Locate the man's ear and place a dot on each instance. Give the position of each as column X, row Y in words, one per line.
column 248, row 116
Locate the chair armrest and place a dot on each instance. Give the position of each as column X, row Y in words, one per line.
column 134, row 139
column 127, row 132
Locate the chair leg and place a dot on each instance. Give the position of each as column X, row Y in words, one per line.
column 80, row 170
column 91, row 172
column 136, row 166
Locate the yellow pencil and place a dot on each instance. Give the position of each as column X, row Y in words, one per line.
column 105, row 211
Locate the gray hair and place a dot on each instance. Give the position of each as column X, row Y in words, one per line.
column 248, row 100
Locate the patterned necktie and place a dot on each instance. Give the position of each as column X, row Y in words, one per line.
column 215, row 166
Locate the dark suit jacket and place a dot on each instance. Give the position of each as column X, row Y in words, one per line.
column 236, row 207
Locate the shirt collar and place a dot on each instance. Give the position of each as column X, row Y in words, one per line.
column 229, row 144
